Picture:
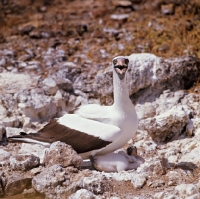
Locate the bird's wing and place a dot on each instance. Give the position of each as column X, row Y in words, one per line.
column 82, row 134
column 94, row 112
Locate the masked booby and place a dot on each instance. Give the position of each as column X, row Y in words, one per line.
column 94, row 129
column 115, row 162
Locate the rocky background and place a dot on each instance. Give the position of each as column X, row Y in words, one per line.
column 55, row 55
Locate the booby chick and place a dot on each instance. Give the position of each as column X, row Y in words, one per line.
column 115, row 162
column 94, row 129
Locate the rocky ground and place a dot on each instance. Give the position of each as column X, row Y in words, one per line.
column 55, row 55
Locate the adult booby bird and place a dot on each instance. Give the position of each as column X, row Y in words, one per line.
column 94, row 129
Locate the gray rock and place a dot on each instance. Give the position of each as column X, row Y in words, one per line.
column 62, row 154
column 24, row 162
column 16, row 183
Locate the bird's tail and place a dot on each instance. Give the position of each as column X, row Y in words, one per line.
column 26, row 138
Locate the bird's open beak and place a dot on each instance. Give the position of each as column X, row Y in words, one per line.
column 121, row 66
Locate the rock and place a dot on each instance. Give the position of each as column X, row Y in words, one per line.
column 39, row 108
column 155, row 183
column 49, row 86
column 123, row 3
column 187, row 191
column 4, row 157
column 2, row 132
column 62, row 154
column 26, row 29
column 29, row 193
column 138, row 181
column 24, row 162
column 55, row 182
column 119, row 16
column 96, row 185
column 3, row 112
column 10, row 131
column 168, row 100
column 189, row 128
column 167, row 125
column 151, row 168
column 35, row 34
column 26, row 122
column 168, row 9
column 11, row 82
column 35, row 149
column 10, row 122
column 165, row 195
column 16, row 183
column 83, row 194
column 3, row 182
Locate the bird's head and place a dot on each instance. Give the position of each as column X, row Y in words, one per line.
column 120, row 65
column 132, row 150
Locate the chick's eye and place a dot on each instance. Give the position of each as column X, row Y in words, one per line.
column 114, row 61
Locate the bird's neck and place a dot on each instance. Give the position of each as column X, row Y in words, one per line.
column 121, row 94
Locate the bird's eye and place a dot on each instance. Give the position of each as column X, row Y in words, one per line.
column 126, row 61
column 114, row 61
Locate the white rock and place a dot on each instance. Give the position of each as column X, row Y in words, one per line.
column 11, row 82
column 4, row 156
column 166, row 125
column 150, row 168
column 187, row 190
column 35, row 149
column 3, row 112
column 138, row 181
column 49, row 86
column 39, row 108
column 94, row 184
column 165, row 195
column 191, row 156
column 10, row 131
column 11, row 122
column 82, row 194
column 27, row 122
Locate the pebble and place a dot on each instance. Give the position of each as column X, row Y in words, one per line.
column 168, row 9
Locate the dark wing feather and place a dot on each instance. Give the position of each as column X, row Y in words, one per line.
column 53, row 131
